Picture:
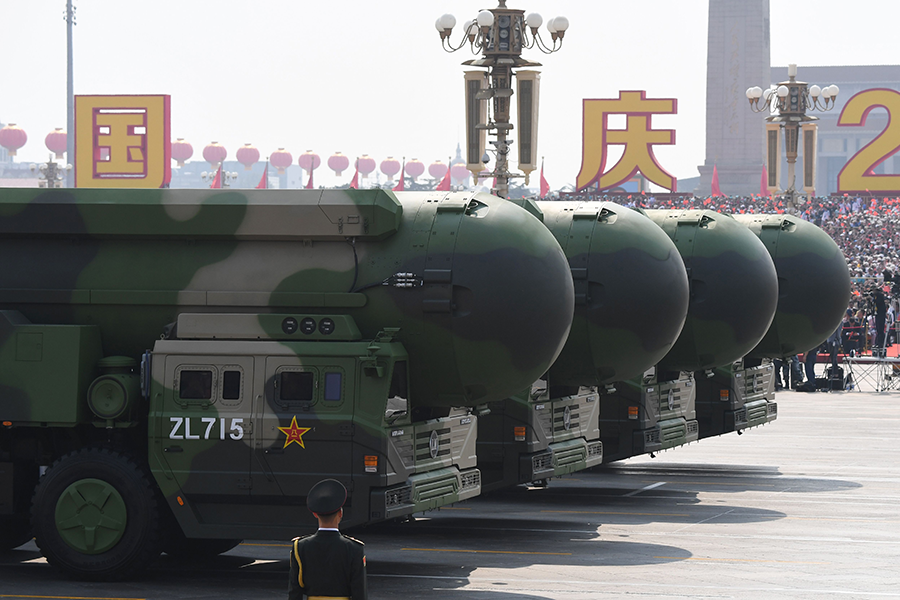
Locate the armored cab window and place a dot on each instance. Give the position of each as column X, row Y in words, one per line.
column 195, row 385
column 231, row 385
column 333, row 386
column 297, row 386
column 398, row 395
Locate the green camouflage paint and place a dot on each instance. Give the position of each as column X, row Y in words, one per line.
column 813, row 283
column 130, row 261
column 733, row 287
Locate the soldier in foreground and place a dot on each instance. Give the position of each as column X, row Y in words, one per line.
column 327, row 564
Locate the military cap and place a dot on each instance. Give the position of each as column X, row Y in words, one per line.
column 326, row 497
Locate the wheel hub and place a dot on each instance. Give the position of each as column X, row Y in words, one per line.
column 91, row 516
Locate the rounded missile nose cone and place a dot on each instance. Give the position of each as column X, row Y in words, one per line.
column 813, row 283
column 513, row 298
column 734, row 288
column 631, row 292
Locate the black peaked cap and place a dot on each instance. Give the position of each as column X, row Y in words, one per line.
column 326, row 497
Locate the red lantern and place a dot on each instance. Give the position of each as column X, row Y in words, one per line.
column 337, row 162
column 309, row 161
column 181, row 151
column 247, row 155
column 437, row 169
column 281, row 159
column 483, row 176
column 12, row 138
column 56, row 141
column 414, row 168
column 214, row 154
column 365, row 164
column 390, row 166
column 459, row 172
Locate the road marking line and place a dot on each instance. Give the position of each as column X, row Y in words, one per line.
column 645, row 489
column 643, row 585
column 64, row 597
column 627, row 514
column 486, row 551
column 753, row 483
column 269, row 545
column 750, row 560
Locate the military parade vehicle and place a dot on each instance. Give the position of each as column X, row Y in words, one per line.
column 813, row 292
column 185, row 364
column 733, row 297
column 631, row 297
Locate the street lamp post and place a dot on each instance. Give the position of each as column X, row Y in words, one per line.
column 787, row 104
column 70, row 91
column 499, row 35
column 52, row 174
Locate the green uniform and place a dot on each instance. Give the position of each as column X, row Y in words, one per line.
column 327, row 564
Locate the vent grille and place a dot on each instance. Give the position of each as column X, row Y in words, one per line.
column 772, row 408
column 423, row 444
column 471, row 480
column 740, row 415
column 595, row 449
column 651, row 436
column 542, row 462
column 398, row 496
column 559, row 418
column 693, row 427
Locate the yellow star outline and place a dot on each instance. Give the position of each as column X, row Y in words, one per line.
column 294, row 434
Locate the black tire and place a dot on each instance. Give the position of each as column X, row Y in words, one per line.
column 95, row 516
column 14, row 531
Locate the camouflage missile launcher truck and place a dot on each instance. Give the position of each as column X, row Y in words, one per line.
column 298, row 335
column 733, row 296
column 813, row 292
column 631, row 297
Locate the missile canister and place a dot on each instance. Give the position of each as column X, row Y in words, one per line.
column 733, row 288
column 479, row 289
column 631, row 291
column 813, row 283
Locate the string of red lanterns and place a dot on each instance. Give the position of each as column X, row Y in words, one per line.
column 13, row 138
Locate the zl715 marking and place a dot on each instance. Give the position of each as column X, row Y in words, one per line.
column 235, row 432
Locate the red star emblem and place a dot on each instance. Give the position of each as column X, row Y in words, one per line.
column 294, row 434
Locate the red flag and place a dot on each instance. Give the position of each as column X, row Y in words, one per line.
column 545, row 187
column 764, row 182
column 715, row 183
column 309, row 184
column 399, row 187
column 444, row 185
column 217, row 182
column 264, row 180
column 354, row 183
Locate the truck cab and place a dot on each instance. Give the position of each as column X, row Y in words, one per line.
column 539, row 434
column 242, row 424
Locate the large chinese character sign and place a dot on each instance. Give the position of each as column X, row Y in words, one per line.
column 122, row 141
column 638, row 137
column 859, row 172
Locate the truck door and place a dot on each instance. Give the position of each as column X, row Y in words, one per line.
column 304, row 423
column 207, row 415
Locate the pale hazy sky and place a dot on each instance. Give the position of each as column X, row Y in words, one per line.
column 370, row 77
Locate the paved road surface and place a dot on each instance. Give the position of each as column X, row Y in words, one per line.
column 805, row 507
